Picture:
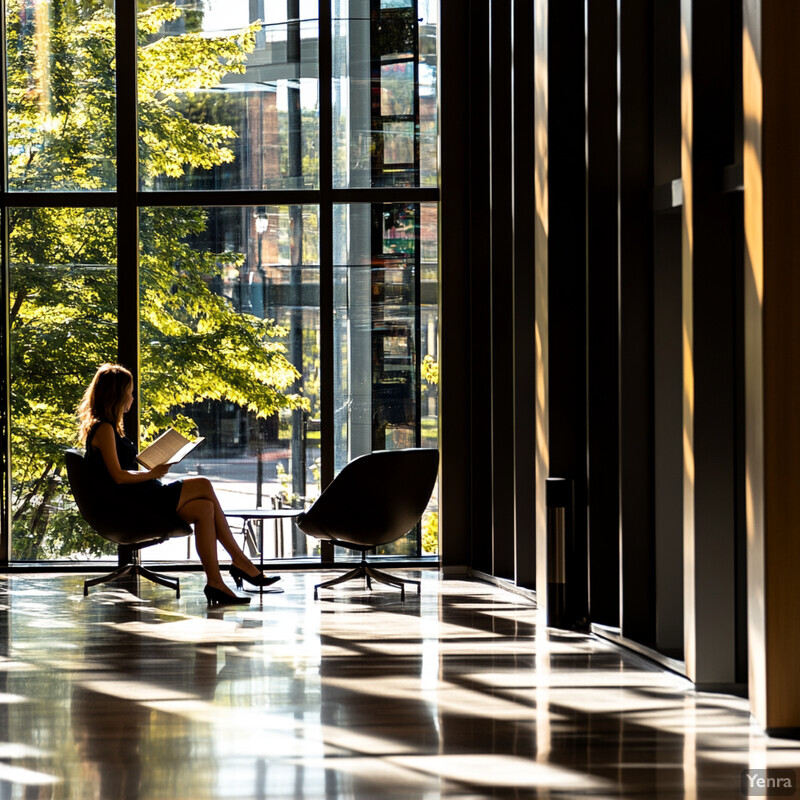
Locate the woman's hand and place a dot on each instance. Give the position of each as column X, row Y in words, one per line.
column 105, row 442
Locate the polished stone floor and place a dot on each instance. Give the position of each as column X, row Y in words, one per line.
column 456, row 693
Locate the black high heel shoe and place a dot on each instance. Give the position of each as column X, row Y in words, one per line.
column 219, row 598
column 239, row 575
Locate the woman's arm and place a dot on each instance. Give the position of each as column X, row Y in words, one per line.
column 105, row 442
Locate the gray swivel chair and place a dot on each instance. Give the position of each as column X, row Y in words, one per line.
column 374, row 500
column 143, row 530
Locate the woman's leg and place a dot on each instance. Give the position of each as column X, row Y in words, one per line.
column 200, row 513
column 201, row 489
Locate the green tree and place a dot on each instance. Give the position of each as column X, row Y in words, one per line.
column 61, row 96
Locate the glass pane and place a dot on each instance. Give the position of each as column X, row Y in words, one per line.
column 60, row 95
column 228, row 95
column 384, row 93
column 428, row 11
column 230, row 351
column 63, row 325
column 385, row 336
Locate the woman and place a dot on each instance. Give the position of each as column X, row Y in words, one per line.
column 113, row 460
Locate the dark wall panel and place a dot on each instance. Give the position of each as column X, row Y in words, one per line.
column 501, row 293
column 524, row 345
column 566, row 182
column 480, row 276
column 602, row 317
column 455, row 314
column 636, row 313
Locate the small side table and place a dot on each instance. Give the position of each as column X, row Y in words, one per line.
column 250, row 515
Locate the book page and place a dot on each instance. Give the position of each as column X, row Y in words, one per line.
column 169, row 448
column 184, row 451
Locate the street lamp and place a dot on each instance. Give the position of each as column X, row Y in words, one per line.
column 262, row 223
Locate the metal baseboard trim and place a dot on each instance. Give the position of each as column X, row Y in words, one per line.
column 613, row 635
column 502, row 583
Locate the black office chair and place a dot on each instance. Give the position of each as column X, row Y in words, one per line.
column 374, row 500
column 143, row 530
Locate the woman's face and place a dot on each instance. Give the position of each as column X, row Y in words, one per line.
column 128, row 398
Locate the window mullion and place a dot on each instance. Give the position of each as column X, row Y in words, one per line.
column 326, row 252
column 127, row 212
column 5, row 378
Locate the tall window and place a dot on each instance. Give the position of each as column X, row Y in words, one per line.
column 238, row 200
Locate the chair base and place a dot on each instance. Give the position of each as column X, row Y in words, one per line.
column 135, row 569
column 364, row 570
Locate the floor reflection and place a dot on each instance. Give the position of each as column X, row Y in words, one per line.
column 107, row 732
column 453, row 694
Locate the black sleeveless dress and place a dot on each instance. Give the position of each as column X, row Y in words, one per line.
column 129, row 498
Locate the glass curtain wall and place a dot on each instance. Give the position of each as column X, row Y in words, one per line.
column 60, row 284
column 385, row 334
column 62, row 287
column 238, row 364
column 261, row 253
column 384, row 253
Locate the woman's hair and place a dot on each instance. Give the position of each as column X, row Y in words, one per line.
column 104, row 399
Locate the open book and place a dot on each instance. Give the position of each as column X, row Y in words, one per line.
column 170, row 448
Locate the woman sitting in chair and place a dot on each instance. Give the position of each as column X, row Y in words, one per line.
column 113, row 460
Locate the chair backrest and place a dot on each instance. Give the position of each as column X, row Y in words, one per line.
column 376, row 498
column 140, row 527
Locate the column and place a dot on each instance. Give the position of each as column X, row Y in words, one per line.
column 709, row 343
column 771, row 68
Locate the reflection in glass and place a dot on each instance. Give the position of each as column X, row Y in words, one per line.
column 398, row 144
column 385, row 336
column 228, row 95
column 63, row 325
column 60, row 95
column 384, row 93
column 230, row 351
column 397, row 89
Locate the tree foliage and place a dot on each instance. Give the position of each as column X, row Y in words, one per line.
column 63, row 288
column 194, row 345
column 430, row 369
column 175, row 67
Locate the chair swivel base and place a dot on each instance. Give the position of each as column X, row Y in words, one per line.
column 364, row 570
column 135, row 570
